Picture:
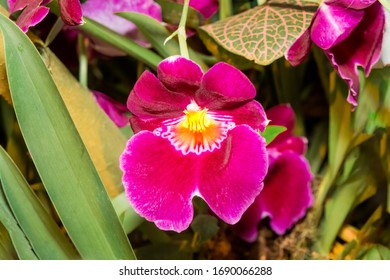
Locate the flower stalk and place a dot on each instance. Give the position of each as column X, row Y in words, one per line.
column 181, row 32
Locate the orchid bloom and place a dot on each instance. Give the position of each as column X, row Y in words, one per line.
column 34, row 11
column 196, row 135
column 115, row 110
column 350, row 32
column 104, row 13
column 206, row 7
column 287, row 187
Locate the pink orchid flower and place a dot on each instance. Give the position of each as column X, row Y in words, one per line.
column 196, row 135
column 115, row 110
column 34, row 11
column 104, row 13
column 206, row 7
column 287, row 187
column 350, row 32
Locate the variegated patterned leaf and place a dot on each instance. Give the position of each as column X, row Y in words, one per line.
column 262, row 34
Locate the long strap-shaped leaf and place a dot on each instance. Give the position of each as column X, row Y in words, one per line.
column 59, row 154
column 40, row 228
column 19, row 240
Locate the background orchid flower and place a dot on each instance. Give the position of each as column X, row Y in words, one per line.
column 114, row 109
column 104, row 13
column 206, row 7
column 34, row 11
column 350, row 32
column 196, row 135
column 287, row 187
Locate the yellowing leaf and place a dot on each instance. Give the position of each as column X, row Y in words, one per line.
column 103, row 140
column 4, row 88
column 262, row 34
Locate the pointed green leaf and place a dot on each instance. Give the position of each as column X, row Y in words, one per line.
column 156, row 33
column 271, row 132
column 7, row 250
column 41, row 230
column 336, row 210
column 59, row 154
column 262, row 34
column 19, row 240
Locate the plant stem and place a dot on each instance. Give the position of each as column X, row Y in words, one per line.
column 83, row 61
column 182, row 36
column 225, row 9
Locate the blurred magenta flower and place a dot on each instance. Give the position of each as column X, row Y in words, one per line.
column 350, row 32
column 287, row 187
column 196, row 135
column 104, row 13
column 114, row 109
column 206, row 7
column 34, row 11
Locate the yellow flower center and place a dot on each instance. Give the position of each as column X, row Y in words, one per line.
column 197, row 121
column 197, row 131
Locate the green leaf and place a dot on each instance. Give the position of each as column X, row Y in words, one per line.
column 7, row 250
column 41, row 230
column 128, row 46
column 59, row 154
column 340, row 135
column 262, row 34
column 156, row 33
column 377, row 252
column 271, row 132
column 19, row 240
column 206, row 226
column 4, row 3
column 336, row 211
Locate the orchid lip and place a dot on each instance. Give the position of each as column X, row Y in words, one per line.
column 197, row 131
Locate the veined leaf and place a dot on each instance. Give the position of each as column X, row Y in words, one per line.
column 41, row 230
column 59, row 154
column 19, row 240
column 264, row 33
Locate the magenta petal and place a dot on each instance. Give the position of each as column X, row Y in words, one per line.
column 251, row 113
column 138, row 124
column 115, row 110
column 300, row 49
column 180, row 74
column 351, row 4
column 333, row 24
column 287, row 193
column 103, row 12
column 31, row 15
column 150, row 98
column 159, row 181
column 367, row 42
column 224, row 86
column 282, row 114
column 206, row 7
column 71, row 12
column 246, row 228
column 231, row 177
